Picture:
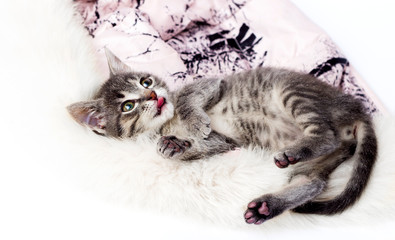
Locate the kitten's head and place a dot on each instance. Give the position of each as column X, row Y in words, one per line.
column 127, row 104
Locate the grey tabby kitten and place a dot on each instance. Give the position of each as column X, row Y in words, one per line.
column 301, row 118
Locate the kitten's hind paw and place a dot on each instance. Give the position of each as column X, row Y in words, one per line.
column 262, row 209
column 283, row 159
column 172, row 147
column 256, row 215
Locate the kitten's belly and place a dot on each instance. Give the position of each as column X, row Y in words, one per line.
column 224, row 126
column 272, row 132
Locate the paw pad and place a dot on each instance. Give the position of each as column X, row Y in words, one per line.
column 283, row 160
column 170, row 146
column 257, row 212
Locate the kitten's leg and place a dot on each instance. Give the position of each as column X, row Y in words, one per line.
column 172, row 147
column 301, row 190
column 307, row 181
column 307, row 148
column 320, row 133
column 315, row 146
column 194, row 100
column 192, row 149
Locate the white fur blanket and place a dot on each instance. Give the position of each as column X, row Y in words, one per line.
column 50, row 63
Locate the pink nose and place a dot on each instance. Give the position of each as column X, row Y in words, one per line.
column 152, row 96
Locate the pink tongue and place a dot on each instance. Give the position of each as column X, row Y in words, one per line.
column 161, row 101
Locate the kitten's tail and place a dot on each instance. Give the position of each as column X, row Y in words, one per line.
column 367, row 155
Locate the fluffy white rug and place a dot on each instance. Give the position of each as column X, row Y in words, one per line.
column 49, row 63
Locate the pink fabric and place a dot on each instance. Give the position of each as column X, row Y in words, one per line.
column 185, row 40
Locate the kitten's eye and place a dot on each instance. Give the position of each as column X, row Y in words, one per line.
column 146, row 82
column 128, row 106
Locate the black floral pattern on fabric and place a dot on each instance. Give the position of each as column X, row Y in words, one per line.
column 205, row 49
column 211, row 42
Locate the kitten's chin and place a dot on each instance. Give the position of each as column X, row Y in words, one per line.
column 166, row 113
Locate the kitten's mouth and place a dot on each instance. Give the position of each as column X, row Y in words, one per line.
column 159, row 104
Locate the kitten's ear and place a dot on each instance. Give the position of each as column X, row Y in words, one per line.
column 89, row 114
column 115, row 64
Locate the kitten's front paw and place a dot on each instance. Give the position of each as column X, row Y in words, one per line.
column 199, row 126
column 172, row 147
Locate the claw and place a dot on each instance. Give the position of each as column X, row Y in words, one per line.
column 171, row 147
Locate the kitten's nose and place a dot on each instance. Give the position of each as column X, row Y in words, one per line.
column 151, row 95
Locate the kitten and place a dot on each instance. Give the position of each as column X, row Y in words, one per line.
column 301, row 118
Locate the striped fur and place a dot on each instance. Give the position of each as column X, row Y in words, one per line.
column 295, row 115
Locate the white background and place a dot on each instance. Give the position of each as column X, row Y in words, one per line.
column 365, row 32
column 39, row 209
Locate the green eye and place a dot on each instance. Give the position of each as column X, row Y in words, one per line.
column 146, row 82
column 128, row 106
